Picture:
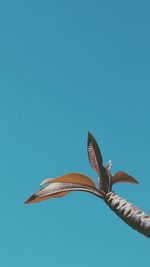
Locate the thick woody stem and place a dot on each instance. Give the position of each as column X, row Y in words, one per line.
column 129, row 213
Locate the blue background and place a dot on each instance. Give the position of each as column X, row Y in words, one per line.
column 66, row 68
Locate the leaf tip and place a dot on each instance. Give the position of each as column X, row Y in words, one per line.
column 30, row 199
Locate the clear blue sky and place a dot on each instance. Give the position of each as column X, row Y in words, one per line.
column 66, row 68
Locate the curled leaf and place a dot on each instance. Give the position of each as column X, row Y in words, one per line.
column 94, row 154
column 59, row 189
column 63, row 185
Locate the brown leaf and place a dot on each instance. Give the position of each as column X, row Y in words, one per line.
column 59, row 189
column 94, row 154
column 122, row 177
column 71, row 178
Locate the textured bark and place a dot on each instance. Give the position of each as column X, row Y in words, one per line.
column 129, row 213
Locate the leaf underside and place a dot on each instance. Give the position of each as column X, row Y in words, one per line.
column 94, row 154
column 61, row 186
